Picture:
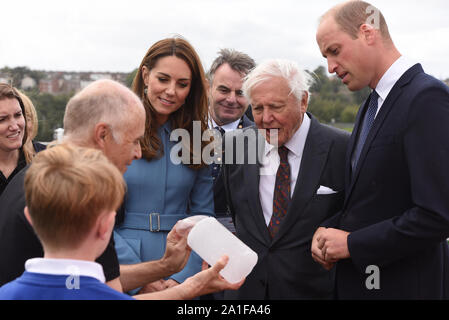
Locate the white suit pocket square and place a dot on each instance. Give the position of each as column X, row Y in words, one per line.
column 325, row 190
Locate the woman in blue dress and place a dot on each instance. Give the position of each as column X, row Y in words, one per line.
column 171, row 83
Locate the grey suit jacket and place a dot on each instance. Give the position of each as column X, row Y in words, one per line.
column 285, row 268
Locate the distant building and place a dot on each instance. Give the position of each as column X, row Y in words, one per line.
column 85, row 83
column 61, row 82
column 70, row 82
column 45, row 86
column 51, row 84
column 5, row 78
column 100, row 76
column 27, row 83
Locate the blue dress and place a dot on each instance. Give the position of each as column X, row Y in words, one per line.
column 159, row 194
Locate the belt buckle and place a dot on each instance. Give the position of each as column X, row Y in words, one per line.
column 156, row 215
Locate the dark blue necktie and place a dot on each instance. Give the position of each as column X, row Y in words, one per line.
column 216, row 166
column 368, row 121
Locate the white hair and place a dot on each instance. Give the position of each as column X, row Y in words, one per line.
column 298, row 80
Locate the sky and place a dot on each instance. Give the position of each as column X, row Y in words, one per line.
column 111, row 35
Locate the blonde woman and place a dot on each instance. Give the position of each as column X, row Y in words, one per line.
column 30, row 147
column 12, row 134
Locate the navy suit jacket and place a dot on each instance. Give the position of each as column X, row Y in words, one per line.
column 220, row 203
column 285, row 268
column 397, row 199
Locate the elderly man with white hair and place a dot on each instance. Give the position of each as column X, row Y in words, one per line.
column 296, row 182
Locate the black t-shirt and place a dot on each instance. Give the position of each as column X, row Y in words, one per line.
column 18, row 242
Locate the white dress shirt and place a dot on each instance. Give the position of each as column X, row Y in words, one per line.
column 270, row 164
column 65, row 267
column 389, row 79
column 386, row 84
column 227, row 127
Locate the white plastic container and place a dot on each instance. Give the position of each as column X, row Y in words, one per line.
column 211, row 240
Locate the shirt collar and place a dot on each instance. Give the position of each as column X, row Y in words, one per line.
column 393, row 74
column 297, row 141
column 65, row 267
column 227, row 127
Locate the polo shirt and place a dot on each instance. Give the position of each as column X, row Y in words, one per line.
column 60, row 279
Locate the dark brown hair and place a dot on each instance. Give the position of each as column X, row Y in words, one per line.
column 196, row 104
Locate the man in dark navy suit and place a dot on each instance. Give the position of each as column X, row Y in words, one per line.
column 389, row 240
column 227, row 111
column 283, row 178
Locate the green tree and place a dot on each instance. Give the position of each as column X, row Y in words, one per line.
column 320, row 79
column 331, row 101
column 361, row 95
column 349, row 114
column 130, row 78
column 50, row 112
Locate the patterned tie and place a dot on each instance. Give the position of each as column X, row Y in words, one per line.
column 366, row 127
column 216, row 166
column 281, row 197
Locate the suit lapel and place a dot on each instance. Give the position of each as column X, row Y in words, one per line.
column 252, row 178
column 247, row 122
column 349, row 175
column 385, row 109
column 352, row 141
column 378, row 122
column 312, row 164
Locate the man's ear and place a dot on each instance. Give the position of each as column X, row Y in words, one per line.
column 101, row 131
column 304, row 102
column 105, row 224
column 368, row 33
column 27, row 216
